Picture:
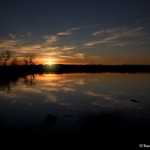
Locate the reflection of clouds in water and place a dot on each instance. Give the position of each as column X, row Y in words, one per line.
column 68, row 89
column 64, row 104
column 102, row 100
column 45, row 89
column 6, row 95
column 51, row 98
column 112, row 102
column 104, row 96
column 74, row 81
column 77, row 91
column 80, row 82
column 69, row 105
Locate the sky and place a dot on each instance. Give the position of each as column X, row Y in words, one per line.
column 77, row 31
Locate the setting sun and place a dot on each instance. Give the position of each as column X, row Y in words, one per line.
column 50, row 61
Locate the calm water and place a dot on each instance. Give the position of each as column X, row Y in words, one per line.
column 25, row 103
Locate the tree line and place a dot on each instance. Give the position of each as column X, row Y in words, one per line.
column 7, row 59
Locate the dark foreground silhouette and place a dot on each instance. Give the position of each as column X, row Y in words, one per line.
column 106, row 130
column 60, row 68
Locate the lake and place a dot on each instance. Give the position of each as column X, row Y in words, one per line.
column 58, row 103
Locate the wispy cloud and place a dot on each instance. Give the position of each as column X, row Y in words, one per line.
column 79, row 55
column 104, row 96
column 10, row 43
column 13, row 36
column 65, row 33
column 51, row 38
column 120, row 32
column 26, row 49
column 69, row 31
column 67, row 48
column 114, row 34
column 105, row 40
column 73, row 56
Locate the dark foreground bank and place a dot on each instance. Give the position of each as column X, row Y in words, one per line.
column 101, row 131
column 59, row 68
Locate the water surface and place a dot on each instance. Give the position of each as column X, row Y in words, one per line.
column 26, row 102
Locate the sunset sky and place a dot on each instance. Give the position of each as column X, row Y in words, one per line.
column 77, row 31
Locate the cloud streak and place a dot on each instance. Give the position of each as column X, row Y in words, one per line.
column 104, row 96
column 115, row 34
column 13, row 36
column 70, row 31
column 50, row 38
column 67, row 48
column 11, row 43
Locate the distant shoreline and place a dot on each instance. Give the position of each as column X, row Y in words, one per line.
column 63, row 68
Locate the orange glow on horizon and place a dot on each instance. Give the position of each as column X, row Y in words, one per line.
column 47, row 61
column 50, row 61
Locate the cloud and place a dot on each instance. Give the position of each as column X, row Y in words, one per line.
column 115, row 34
column 79, row 55
column 91, row 43
column 73, row 56
column 10, row 43
column 51, row 38
column 121, row 32
column 66, row 48
column 105, row 40
column 13, row 36
column 66, row 57
column 69, row 31
column 65, row 33
column 56, row 54
column 109, row 31
column 28, row 48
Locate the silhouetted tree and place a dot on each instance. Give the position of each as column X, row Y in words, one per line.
column 29, row 60
column 14, row 62
column 4, row 57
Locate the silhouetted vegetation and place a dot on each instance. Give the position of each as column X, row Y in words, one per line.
column 29, row 60
column 5, row 57
column 59, row 68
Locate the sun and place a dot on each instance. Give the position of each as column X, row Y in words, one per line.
column 50, row 61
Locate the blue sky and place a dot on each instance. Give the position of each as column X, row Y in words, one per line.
column 81, row 31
